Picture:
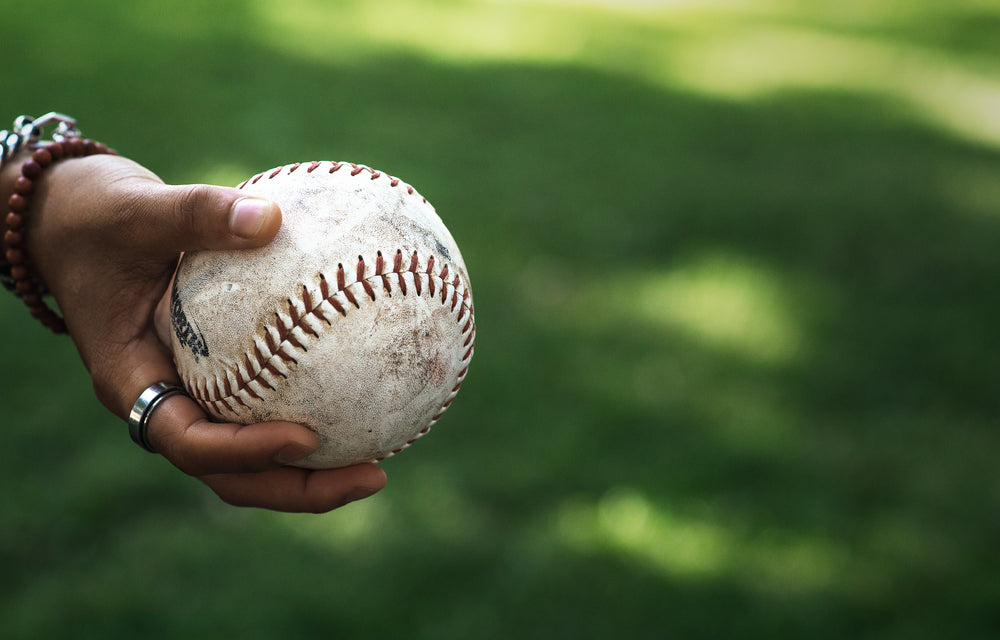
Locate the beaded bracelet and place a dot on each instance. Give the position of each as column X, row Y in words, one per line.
column 10, row 144
column 25, row 284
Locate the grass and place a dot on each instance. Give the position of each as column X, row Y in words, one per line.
column 737, row 338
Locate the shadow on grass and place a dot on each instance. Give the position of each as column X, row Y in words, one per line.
column 733, row 372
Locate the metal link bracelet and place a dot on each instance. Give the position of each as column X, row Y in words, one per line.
column 28, row 130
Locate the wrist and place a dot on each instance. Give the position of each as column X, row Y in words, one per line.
column 32, row 159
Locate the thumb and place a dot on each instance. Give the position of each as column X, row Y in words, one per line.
column 182, row 218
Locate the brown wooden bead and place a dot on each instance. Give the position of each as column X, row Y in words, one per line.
column 55, row 149
column 14, row 220
column 13, row 239
column 89, row 147
column 19, row 272
column 15, row 256
column 17, row 203
column 54, row 323
column 75, row 147
column 42, row 157
column 24, row 287
column 31, row 170
column 23, row 186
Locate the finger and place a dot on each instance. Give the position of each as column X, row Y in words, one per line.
column 181, row 432
column 179, row 429
column 166, row 220
column 299, row 490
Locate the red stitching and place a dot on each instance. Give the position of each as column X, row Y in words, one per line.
column 356, row 169
column 350, row 298
column 292, row 340
column 340, row 277
column 210, row 392
column 306, row 298
column 339, row 307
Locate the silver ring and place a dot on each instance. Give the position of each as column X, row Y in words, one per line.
column 138, row 418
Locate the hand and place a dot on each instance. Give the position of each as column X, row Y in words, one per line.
column 105, row 235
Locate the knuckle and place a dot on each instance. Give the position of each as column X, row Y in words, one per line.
column 190, row 206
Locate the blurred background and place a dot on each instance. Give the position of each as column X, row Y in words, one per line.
column 735, row 371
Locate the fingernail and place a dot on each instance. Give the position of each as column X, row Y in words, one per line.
column 247, row 216
column 293, row 453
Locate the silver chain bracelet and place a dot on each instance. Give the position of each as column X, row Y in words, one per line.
column 28, row 130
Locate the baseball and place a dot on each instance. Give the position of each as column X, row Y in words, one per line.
column 356, row 320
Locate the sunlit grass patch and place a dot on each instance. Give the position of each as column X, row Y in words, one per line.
column 735, row 50
column 627, row 523
column 721, row 302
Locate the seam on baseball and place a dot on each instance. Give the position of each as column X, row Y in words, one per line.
column 290, row 332
column 356, row 170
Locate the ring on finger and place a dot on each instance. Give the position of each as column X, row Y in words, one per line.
column 138, row 418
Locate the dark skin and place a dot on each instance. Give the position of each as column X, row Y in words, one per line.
column 105, row 235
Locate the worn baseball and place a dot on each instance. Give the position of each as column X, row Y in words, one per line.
column 356, row 320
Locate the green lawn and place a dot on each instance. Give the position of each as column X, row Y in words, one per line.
column 737, row 343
